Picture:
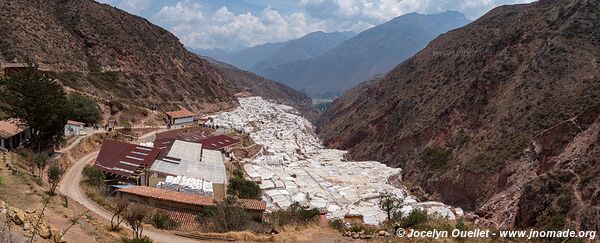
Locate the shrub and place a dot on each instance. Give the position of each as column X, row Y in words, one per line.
column 414, row 219
column 242, row 188
column 144, row 239
column 436, row 158
column 83, row 109
column 337, row 224
column 295, row 214
column 163, row 221
column 93, row 175
column 225, row 216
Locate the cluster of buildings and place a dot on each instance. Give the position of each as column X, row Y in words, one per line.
column 294, row 166
column 180, row 170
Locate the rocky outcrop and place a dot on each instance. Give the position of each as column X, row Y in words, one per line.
column 28, row 220
column 491, row 115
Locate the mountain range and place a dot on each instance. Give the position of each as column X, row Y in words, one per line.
column 501, row 117
column 263, row 56
column 372, row 52
column 103, row 51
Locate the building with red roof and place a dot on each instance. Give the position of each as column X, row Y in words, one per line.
column 162, row 198
column 13, row 133
column 180, row 118
column 125, row 162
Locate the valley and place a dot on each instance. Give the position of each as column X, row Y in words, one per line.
column 298, row 121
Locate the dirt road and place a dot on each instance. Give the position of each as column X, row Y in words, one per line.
column 69, row 186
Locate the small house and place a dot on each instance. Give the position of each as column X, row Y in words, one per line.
column 180, row 118
column 74, row 128
column 13, row 134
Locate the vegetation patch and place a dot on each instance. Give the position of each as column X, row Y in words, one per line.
column 240, row 187
column 436, row 158
column 294, row 214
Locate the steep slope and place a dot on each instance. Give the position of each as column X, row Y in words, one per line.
column 308, row 46
column 374, row 51
column 105, row 51
column 501, row 116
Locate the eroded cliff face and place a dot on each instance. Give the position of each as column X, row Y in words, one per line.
column 491, row 115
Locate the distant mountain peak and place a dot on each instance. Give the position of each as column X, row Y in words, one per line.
column 371, row 52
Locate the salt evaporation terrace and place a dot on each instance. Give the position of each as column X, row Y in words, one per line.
column 294, row 166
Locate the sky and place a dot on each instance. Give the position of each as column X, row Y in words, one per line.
column 235, row 24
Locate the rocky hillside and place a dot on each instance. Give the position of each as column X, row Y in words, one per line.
column 103, row 51
column 372, row 52
column 501, row 116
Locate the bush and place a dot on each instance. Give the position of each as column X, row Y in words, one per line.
column 163, row 221
column 242, row 188
column 337, row 224
column 225, row 216
column 144, row 239
column 93, row 175
column 83, row 109
column 436, row 158
column 416, row 218
column 295, row 214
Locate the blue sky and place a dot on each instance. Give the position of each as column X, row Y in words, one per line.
column 231, row 24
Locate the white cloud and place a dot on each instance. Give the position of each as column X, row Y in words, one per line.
column 134, row 6
column 225, row 29
column 131, row 6
column 182, row 11
column 210, row 24
column 355, row 13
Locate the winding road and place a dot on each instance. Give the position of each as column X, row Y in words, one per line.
column 69, row 186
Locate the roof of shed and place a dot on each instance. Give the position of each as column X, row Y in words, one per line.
column 180, row 113
column 124, row 158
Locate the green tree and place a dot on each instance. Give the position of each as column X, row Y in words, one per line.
column 54, row 175
column 242, row 188
column 38, row 102
column 93, row 175
column 225, row 216
column 390, row 204
column 83, row 109
column 41, row 162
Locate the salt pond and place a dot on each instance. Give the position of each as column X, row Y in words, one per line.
column 294, row 166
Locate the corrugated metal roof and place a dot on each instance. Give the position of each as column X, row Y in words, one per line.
column 186, row 150
column 186, row 161
column 124, row 158
column 218, row 142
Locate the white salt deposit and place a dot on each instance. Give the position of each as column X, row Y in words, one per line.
column 295, row 167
